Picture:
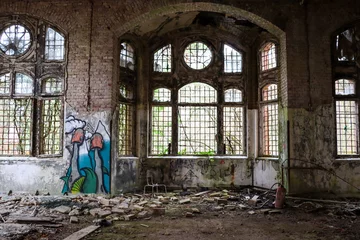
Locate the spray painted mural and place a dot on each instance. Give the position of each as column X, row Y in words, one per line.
column 89, row 166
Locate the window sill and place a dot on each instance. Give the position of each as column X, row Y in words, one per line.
column 33, row 159
column 348, row 159
column 267, row 158
column 127, row 158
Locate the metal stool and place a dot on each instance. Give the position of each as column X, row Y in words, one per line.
column 150, row 183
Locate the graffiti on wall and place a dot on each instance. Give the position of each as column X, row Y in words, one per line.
column 89, row 166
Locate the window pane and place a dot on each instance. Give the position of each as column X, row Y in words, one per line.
column 15, row 126
column 197, row 130
column 23, row 84
column 269, row 92
column 344, row 87
column 197, row 93
column 270, row 130
column 5, row 83
column 234, row 130
column 347, row 127
column 126, row 92
column 161, row 130
column 15, row 40
column 197, row 55
column 162, row 59
column 127, row 58
column 232, row 60
column 125, row 129
column 51, row 126
column 233, row 95
column 268, row 57
column 52, row 85
column 54, row 45
column 162, row 95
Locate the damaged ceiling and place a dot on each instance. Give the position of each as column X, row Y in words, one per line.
column 159, row 26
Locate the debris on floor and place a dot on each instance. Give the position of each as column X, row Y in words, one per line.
column 21, row 214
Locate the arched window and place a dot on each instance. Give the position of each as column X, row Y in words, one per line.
column 268, row 56
column 162, row 59
column 31, row 102
column 269, row 121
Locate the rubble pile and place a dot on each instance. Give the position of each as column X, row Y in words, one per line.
column 21, row 214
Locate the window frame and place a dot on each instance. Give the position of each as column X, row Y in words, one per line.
column 262, row 46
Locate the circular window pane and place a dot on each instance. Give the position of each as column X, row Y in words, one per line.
column 197, row 55
column 15, row 40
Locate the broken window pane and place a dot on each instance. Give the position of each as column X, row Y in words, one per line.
column 232, row 60
column 52, row 85
column 23, row 84
column 197, row 93
column 197, row 130
column 161, row 129
column 127, row 56
column 5, row 83
column 197, row 55
column 162, row 59
column 234, row 130
column 269, row 92
column 347, row 127
column 15, row 40
column 268, row 56
column 346, row 45
column 15, row 126
column 162, row 95
column 126, row 92
column 233, row 95
column 125, row 129
column 51, row 126
column 344, row 87
column 54, row 45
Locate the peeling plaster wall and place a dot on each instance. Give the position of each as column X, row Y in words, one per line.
column 266, row 173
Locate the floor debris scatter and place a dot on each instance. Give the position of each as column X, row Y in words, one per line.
column 206, row 214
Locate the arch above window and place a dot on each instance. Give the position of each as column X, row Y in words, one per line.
column 268, row 56
column 232, row 60
column 162, row 95
column 270, row 92
column 15, row 40
column 344, row 87
column 127, row 56
column 197, row 92
column 162, row 59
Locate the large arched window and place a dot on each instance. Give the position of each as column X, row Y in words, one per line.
column 198, row 118
column 268, row 58
column 31, row 102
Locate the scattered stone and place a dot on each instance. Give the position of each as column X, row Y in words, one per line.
column 129, row 217
column 74, row 219
column 216, row 194
column 144, row 225
column 195, row 210
column 174, row 199
column 195, row 199
column 186, row 200
column 74, row 212
column 142, row 203
column 95, row 211
column 114, row 201
column 242, row 206
column 142, row 214
column 251, row 212
column 209, row 200
column 104, row 202
column 138, row 208
column 218, row 208
column 123, row 205
column 189, row 215
column 103, row 213
column 86, row 211
column 118, row 211
column 202, row 193
column 63, row 209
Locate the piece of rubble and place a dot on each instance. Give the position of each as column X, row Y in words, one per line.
column 215, row 194
column 253, row 200
column 63, row 209
column 129, row 217
column 138, row 208
column 144, row 225
column 174, row 199
column 186, row 200
column 118, row 211
column 95, row 211
column 74, row 212
column 74, row 219
column 201, row 193
column 218, row 208
column 195, row 199
column 104, row 213
column 209, row 200
column 142, row 203
column 189, row 215
column 251, row 212
column 104, row 201
column 142, row 214
column 123, row 205
column 195, row 210
column 242, row 206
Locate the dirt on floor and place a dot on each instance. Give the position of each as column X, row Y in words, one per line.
column 290, row 223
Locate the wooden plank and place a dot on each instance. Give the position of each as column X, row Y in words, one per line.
column 31, row 220
column 82, row 233
column 202, row 193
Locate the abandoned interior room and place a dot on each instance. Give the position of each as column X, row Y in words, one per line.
column 107, row 97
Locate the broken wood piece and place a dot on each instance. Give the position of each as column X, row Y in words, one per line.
column 201, row 193
column 33, row 220
column 144, row 225
column 82, row 233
